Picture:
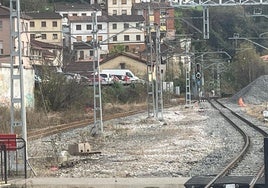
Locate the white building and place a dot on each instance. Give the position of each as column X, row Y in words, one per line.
column 81, row 35
column 125, row 30
column 120, row 7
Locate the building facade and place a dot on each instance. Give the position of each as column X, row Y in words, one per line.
column 46, row 27
column 157, row 13
column 81, row 35
column 125, row 30
column 120, row 7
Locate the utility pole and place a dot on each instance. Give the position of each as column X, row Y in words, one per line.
column 154, row 87
column 98, row 123
column 16, row 72
column 150, row 66
column 158, row 81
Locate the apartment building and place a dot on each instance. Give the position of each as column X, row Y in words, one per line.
column 120, row 7
column 159, row 13
column 46, row 27
column 81, row 36
column 125, row 30
column 5, row 35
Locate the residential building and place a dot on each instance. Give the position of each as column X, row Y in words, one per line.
column 81, row 36
column 47, row 54
column 126, row 60
column 5, row 58
column 120, row 7
column 125, row 30
column 5, row 35
column 46, row 27
column 157, row 13
column 67, row 10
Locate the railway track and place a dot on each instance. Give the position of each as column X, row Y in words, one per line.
column 253, row 136
column 35, row 134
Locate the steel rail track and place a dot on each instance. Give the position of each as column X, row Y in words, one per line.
column 242, row 153
column 35, row 134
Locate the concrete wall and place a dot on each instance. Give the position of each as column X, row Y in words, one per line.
column 5, row 86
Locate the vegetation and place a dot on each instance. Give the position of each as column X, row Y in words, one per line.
column 245, row 64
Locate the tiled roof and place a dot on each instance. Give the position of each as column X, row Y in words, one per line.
column 105, row 18
column 39, row 44
column 44, row 15
column 4, row 11
column 82, row 68
column 87, row 18
column 76, row 7
column 126, row 54
column 153, row 5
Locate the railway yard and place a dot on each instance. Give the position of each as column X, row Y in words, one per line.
column 188, row 142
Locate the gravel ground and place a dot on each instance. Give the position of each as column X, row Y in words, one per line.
column 190, row 141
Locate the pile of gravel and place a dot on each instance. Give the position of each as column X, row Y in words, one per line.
column 255, row 92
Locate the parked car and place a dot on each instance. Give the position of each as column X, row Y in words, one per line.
column 95, row 78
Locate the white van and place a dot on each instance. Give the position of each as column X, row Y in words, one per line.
column 120, row 72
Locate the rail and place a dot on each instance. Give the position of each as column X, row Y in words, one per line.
column 246, row 138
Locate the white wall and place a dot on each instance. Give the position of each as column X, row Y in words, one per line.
column 6, row 87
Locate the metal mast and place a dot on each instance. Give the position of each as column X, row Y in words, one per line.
column 158, row 80
column 16, row 71
column 98, row 123
column 150, row 67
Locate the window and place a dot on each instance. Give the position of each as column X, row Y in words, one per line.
column 99, row 38
column 43, row 24
column 78, row 38
column 26, row 26
column 91, row 52
column 140, row 12
column 89, row 27
column 126, row 25
column 138, row 25
column 124, row 12
column 55, row 36
column 43, row 36
column 83, row 14
column 1, row 25
column 163, row 12
column 22, row 48
column 32, row 24
column 114, row 12
column 74, row 14
column 81, row 55
column 162, row 23
column 54, row 24
column 138, row 37
column 122, row 65
column 27, row 48
column 32, row 36
column 78, row 27
column 1, row 48
column 114, row 2
column 99, row 26
column 65, row 15
column 114, row 38
column 89, row 38
column 114, row 26
column 126, row 37
column 123, row 2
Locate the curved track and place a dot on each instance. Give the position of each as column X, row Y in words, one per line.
column 253, row 136
column 34, row 134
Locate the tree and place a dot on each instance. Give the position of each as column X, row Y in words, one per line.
column 246, row 66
